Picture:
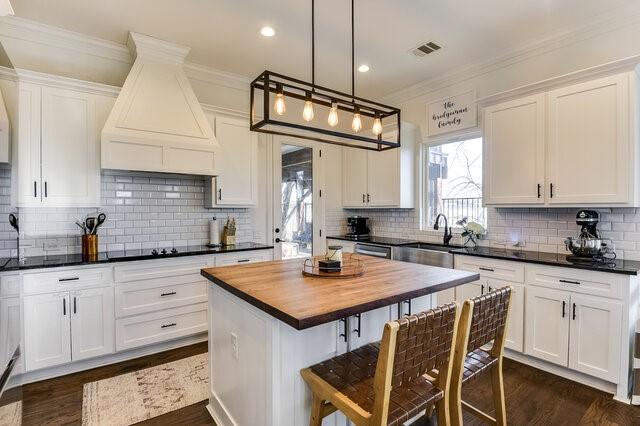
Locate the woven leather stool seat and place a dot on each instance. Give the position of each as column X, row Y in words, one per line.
column 352, row 374
column 393, row 381
column 476, row 363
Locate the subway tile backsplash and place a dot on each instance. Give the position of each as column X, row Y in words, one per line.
column 536, row 229
column 144, row 210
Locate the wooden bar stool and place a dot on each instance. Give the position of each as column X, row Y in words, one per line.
column 483, row 320
column 394, row 381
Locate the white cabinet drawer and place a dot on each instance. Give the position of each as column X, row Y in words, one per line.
column 161, row 293
column 142, row 330
column 9, row 285
column 66, row 279
column 252, row 256
column 491, row 268
column 602, row 284
column 151, row 269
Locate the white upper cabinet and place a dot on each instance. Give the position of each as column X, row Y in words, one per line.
column 589, row 145
column 354, row 166
column 579, row 143
column 58, row 151
column 384, row 179
column 236, row 184
column 383, row 186
column 514, row 152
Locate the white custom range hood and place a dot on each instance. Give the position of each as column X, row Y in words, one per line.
column 157, row 123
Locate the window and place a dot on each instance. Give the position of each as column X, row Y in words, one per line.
column 454, row 182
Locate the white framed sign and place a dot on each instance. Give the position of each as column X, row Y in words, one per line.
column 452, row 114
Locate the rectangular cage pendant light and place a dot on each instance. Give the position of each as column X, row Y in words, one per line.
column 287, row 106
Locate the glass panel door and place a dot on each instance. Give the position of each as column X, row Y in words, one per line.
column 296, row 234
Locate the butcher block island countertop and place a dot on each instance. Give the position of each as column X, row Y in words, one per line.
column 280, row 289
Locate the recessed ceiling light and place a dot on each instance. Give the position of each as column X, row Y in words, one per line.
column 267, row 31
column 363, row 68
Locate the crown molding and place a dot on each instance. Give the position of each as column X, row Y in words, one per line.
column 29, row 76
column 630, row 63
column 47, row 35
column 36, row 32
column 144, row 45
column 603, row 24
column 217, row 77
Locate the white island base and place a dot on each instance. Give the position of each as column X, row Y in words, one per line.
column 255, row 360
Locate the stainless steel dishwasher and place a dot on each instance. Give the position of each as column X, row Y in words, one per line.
column 425, row 254
column 373, row 250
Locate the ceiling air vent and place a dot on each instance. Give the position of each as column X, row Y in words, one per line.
column 425, row 49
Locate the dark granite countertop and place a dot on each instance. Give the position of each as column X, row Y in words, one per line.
column 626, row 267
column 385, row 241
column 56, row 261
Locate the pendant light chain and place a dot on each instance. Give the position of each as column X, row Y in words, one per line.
column 353, row 54
column 313, row 43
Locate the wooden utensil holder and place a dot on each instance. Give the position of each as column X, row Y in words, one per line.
column 90, row 246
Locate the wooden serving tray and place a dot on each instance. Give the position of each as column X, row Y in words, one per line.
column 352, row 267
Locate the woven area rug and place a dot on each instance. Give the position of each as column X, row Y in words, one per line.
column 143, row 394
column 11, row 414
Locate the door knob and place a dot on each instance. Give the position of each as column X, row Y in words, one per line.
column 278, row 240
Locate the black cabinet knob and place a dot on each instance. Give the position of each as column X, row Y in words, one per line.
column 277, row 230
column 278, row 240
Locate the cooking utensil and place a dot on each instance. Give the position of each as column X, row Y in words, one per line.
column 101, row 218
column 13, row 221
column 82, row 226
column 90, row 223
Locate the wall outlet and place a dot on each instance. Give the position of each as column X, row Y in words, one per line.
column 234, row 346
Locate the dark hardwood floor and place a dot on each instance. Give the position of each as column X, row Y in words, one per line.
column 533, row 397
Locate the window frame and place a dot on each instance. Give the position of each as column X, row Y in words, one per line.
column 424, row 172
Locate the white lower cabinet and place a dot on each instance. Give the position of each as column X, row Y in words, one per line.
column 547, row 325
column 156, row 327
column 92, row 332
column 67, row 326
column 47, row 330
column 252, row 256
column 594, row 336
column 574, row 330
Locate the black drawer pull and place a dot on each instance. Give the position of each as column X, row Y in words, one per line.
column 35, row 188
column 564, row 305
column 344, row 335
column 68, row 279
column 574, row 311
column 75, row 305
column 570, row 282
column 408, row 302
column 171, row 293
column 173, row 324
column 64, row 306
column 244, row 260
column 486, row 269
column 539, row 188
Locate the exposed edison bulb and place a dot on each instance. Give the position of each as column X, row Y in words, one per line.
column 307, row 112
column 356, row 124
column 279, row 106
column 333, row 115
column 377, row 126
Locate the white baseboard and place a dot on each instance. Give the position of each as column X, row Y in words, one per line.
column 218, row 412
column 74, row 367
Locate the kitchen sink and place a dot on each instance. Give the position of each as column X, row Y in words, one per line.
column 432, row 254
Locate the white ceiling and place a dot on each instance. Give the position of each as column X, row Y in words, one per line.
column 224, row 34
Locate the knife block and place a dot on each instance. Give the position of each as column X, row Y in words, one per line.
column 90, row 247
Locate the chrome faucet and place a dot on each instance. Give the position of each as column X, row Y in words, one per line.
column 447, row 229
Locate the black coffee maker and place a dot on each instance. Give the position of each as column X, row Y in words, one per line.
column 358, row 227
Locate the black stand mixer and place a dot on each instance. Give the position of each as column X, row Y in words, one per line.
column 589, row 245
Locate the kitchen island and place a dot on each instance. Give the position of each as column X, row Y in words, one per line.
column 267, row 321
